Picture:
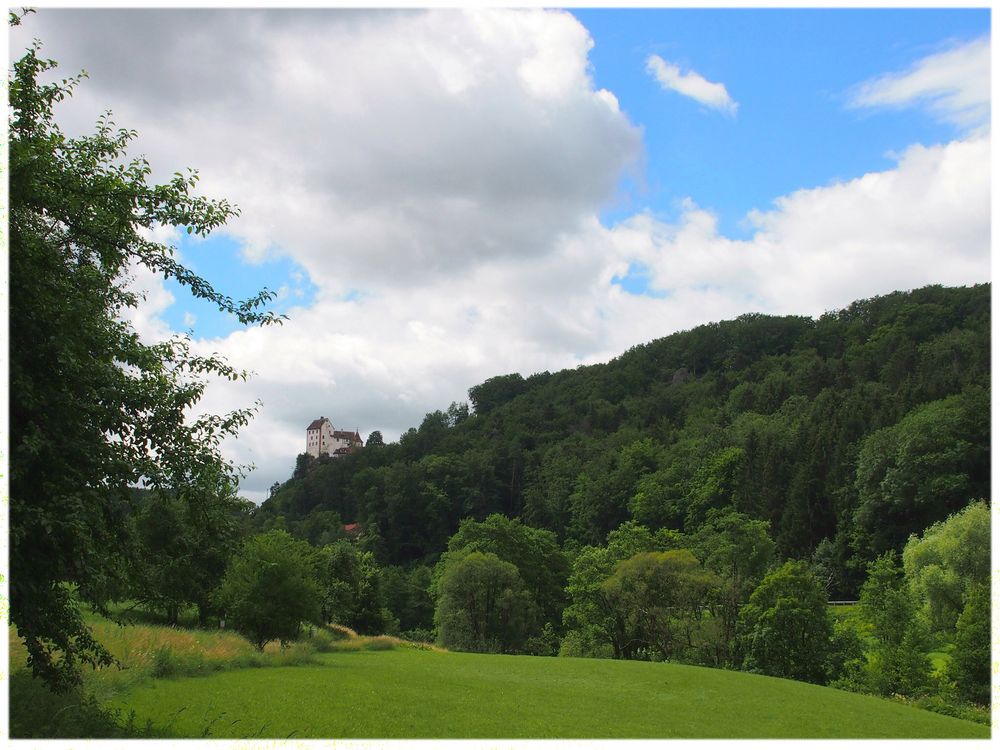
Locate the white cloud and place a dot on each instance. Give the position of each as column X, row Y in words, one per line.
column 690, row 84
column 954, row 85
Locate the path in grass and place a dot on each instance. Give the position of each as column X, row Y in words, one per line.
column 419, row 694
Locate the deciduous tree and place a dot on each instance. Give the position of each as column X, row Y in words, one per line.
column 785, row 628
column 271, row 587
column 94, row 411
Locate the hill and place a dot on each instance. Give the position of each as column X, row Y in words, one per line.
column 423, row 694
column 840, row 431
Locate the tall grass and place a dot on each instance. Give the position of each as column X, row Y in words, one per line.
column 145, row 652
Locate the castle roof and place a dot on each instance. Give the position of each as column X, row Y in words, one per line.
column 317, row 423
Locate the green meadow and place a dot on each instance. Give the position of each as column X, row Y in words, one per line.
column 406, row 693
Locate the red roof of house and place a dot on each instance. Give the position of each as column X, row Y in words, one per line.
column 317, row 423
column 352, row 528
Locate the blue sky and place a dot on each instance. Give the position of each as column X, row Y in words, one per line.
column 442, row 196
column 791, row 72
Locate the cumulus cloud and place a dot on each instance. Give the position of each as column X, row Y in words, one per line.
column 954, row 85
column 925, row 221
column 374, row 147
column 690, row 84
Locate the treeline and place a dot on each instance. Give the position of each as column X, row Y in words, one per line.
column 846, row 434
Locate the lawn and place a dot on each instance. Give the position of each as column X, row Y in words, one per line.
column 406, row 693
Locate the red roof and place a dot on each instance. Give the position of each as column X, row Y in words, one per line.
column 352, row 528
column 317, row 423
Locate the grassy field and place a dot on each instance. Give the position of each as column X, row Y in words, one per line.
column 420, row 694
column 178, row 682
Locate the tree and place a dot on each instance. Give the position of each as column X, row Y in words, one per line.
column 483, row 605
column 952, row 557
column 94, row 411
column 785, row 628
column 495, row 392
column 540, row 563
column 591, row 617
column 186, row 544
column 352, row 593
column 271, row 587
column 375, row 439
column 918, row 471
column 739, row 550
column 897, row 662
column 970, row 662
column 660, row 601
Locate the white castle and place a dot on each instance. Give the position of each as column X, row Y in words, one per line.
column 323, row 440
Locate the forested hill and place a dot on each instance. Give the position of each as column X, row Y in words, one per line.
column 847, row 433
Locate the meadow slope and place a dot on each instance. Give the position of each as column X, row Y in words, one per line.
column 406, row 693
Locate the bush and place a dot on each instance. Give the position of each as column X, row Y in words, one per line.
column 37, row 712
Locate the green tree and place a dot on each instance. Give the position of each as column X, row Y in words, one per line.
column 94, row 411
column 949, row 559
column 660, row 601
column 483, row 605
column 897, row 661
column 540, row 563
column 740, row 551
column 352, row 589
column 186, row 543
column 785, row 628
column 271, row 587
column 970, row 662
column 593, row 622
column 923, row 468
column 375, row 439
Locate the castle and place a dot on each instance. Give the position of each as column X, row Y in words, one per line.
column 323, row 440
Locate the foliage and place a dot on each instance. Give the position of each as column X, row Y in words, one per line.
column 924, row 467
column 483, row 605
column 659, row 601
column 949, row 559
column 187, row 539
column 897, row 660
column 270, row 587
column 94, row 410
column 785, row 628
column 352, row 593
column 740, row 551
column 970, row 662
column 590, row 617
column 540, row 563
column 763, row 416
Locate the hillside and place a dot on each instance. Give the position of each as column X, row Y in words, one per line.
column 416, row 694
column 819, row 427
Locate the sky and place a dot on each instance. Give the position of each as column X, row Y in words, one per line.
column 440, row 196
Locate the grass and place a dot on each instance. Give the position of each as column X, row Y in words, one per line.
column 146, row 653
column 334, row 683
column 410, row 693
